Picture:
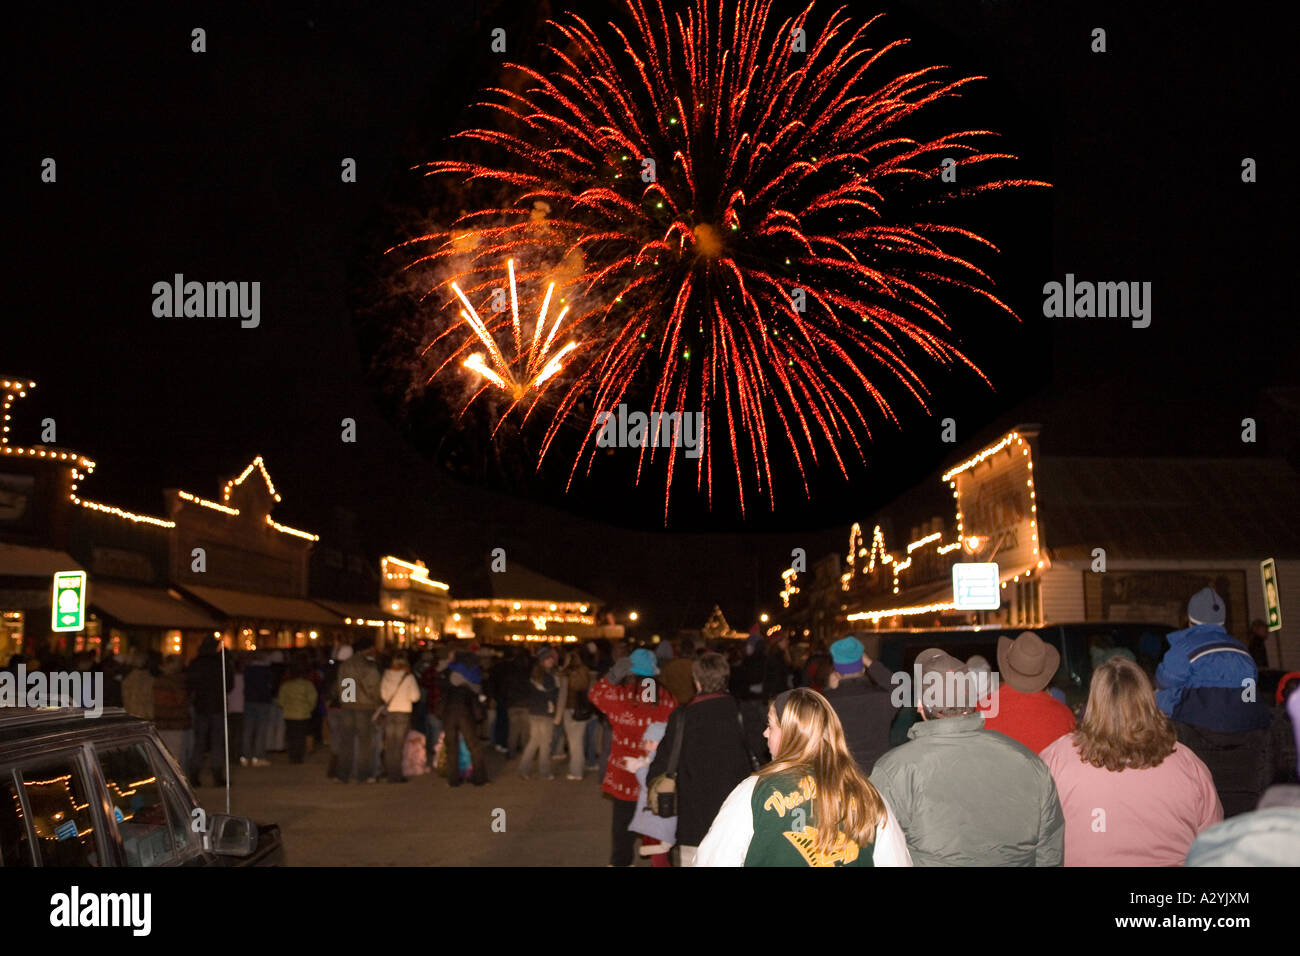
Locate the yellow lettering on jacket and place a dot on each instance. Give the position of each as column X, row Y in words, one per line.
column 781, row 802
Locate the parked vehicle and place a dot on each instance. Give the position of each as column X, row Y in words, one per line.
column 1080, row 645
column 105, row 792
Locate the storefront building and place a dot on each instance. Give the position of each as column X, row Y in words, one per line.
column 419, row 605
column 231, row 557
column 1081, row 539
column 526, row 607
column 219, row 567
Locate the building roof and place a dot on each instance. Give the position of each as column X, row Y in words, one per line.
column 519, row 583
column 263, row 607
column 147, row 607
column 17, row 560
column 1169, row 507
column 359, row 611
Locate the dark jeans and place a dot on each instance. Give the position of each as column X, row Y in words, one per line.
column 257, row 725
column 623, row 849
column 457, row 724
column 295, row 738
column 396, row 727
column 209, row 736
column 355, row 732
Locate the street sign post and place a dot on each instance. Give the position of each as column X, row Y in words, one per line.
column 1268, row 573
column 69, row 601
column 976, row 587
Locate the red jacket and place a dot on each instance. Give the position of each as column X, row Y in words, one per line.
column 1035, row 720
column 628, row 717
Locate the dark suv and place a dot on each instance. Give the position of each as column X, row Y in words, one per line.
column 1080, row 645
column 105, row 792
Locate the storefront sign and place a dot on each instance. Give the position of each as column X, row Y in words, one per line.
column 69, row 601
column 976, row 587
column 1268, row 572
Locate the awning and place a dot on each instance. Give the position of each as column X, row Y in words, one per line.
column 245, row 605
column 360, row 612
column 17, row 560
column 148, row 607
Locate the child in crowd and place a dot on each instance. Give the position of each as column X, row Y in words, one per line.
column 658, row 834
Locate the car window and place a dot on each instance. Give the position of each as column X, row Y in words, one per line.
column 61, row 815
column 180, row 810
column 15, row 845
column 135, row 793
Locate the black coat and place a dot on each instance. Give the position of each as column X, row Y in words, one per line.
column 204, row 684
column 1241, row 764
column 712, row 761
column 865, row 711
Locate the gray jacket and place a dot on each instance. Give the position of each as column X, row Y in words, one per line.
column 365, row 673
column 967, row 796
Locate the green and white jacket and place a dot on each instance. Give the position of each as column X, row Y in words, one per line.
column 772, row 823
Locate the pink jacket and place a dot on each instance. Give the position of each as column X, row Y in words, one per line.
column 1145, row 817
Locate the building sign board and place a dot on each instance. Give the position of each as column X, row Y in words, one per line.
column 69, row 601
column 976, row 587
column 1272, row 605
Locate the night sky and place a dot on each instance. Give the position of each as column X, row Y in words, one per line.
column 225, row 166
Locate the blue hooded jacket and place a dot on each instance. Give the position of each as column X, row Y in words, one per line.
column 1201, row 679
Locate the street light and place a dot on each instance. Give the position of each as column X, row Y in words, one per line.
column 763, row 618
column 632, row 616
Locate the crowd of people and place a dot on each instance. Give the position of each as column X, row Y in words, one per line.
column 756, row 753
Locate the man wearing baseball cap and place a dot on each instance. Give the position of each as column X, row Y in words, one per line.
column 967, row 796
column 1021, row 707
column 859, row 690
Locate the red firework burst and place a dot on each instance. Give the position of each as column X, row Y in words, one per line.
column 767, row 267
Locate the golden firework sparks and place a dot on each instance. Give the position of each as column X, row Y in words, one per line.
column 534, row 363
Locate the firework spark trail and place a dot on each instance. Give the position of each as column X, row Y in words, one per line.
column 776, row 170
column 534, row 364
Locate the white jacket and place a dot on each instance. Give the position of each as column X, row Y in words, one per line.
column 400, row 691
column 727, row 841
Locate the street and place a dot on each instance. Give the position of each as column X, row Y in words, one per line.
column 424, row 822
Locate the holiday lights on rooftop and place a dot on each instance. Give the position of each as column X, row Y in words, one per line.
column 121, row 513
column 405, row 571
column 206, row 503
column 235, row 482
column 971, row 543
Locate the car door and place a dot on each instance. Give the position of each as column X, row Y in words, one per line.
column 150, row 824
column 49, row 813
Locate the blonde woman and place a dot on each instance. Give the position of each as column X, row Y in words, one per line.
column 811, row 806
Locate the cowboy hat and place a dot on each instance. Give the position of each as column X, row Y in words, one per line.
column 1027, row 663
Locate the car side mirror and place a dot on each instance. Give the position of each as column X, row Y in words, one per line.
column 231, row 836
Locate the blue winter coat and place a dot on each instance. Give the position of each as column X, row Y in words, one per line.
column 1202, row 677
